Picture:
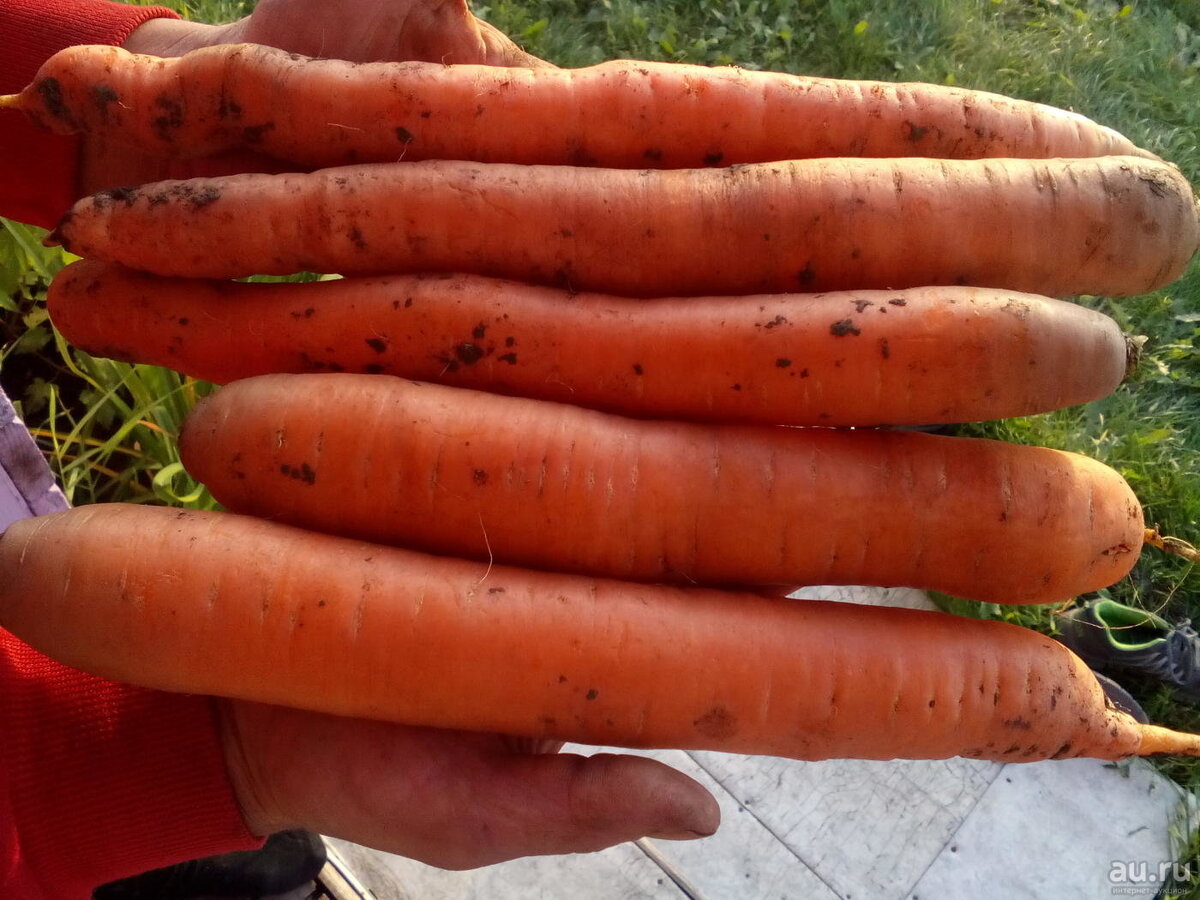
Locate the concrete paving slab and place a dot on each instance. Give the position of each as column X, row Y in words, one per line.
column 868, row 829
column 1075, row 829
column 618, row 873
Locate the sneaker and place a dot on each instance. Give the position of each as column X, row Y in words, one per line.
column 287, row 861
column 1121, row 699
column 1112, row 637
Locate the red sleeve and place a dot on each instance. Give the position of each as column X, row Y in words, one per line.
column 38, row 170
column 99, row 781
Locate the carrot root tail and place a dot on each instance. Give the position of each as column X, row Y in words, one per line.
column 1134, row 346
column 1173, row 545
column 10, row 100
column 1156, row 739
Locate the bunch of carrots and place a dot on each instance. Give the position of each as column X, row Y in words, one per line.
column 617, row 351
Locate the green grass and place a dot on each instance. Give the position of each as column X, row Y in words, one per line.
column 1135, row 67
column 109, row 429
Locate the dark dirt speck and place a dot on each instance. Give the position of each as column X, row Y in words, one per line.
column 303, row 473
column 718, row 722
column 50, row 90
column 469, row 354
column 253, row 134
column 103, row 96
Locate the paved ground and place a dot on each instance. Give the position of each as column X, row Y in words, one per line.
column 858, row 830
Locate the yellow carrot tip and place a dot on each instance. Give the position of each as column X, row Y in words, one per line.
column 1156, row 739
column 13, row 100
column 1134, row 347
column 1169, row 544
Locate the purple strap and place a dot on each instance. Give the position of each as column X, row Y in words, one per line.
column 27, row 486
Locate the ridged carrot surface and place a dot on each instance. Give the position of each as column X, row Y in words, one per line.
column 553, row 486
column 220, row 604
column 920, row 356
column 620, row 114
column 1112, row 225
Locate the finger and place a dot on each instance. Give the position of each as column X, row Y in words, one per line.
column 531, row 745
column 500, row 50
column 575, row 804
column 448, row 798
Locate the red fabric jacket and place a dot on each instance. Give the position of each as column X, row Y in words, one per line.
column 37, row 170
column 97, row 780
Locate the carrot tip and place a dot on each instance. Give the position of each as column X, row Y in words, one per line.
column 1134, row 346
column 1173, row 545
column 13, row 100
column 1156, row 739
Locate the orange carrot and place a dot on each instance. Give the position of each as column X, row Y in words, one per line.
column 919, row 356
column 620, row 114
column 220, row 604
column 1120, row 225
column 552, row 486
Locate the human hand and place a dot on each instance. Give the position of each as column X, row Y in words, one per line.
column 452, row 799
column 356, row 30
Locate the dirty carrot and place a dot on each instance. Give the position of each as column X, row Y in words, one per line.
column 554, row 486
column 619, row 114
column 215, row 603
column 1121, row 225
column 920, row 356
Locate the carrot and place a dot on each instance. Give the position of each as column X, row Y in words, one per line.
column 214, row 603
column 552, row 486
column 619, row 114
column 1120, row 225
column 919, row 356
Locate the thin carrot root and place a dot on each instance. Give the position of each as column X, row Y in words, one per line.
column 621, row 113
column 229, row 605
column 1173, row 545
column 1156, row 739
column 570, row 489
column 1123, row 225
column 862, row 357
column 10, row 100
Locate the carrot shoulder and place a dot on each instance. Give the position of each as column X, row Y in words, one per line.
column 620, row 114
column 220, row 604
column 553, row 486
column 1121, row 225
column 918, row 356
